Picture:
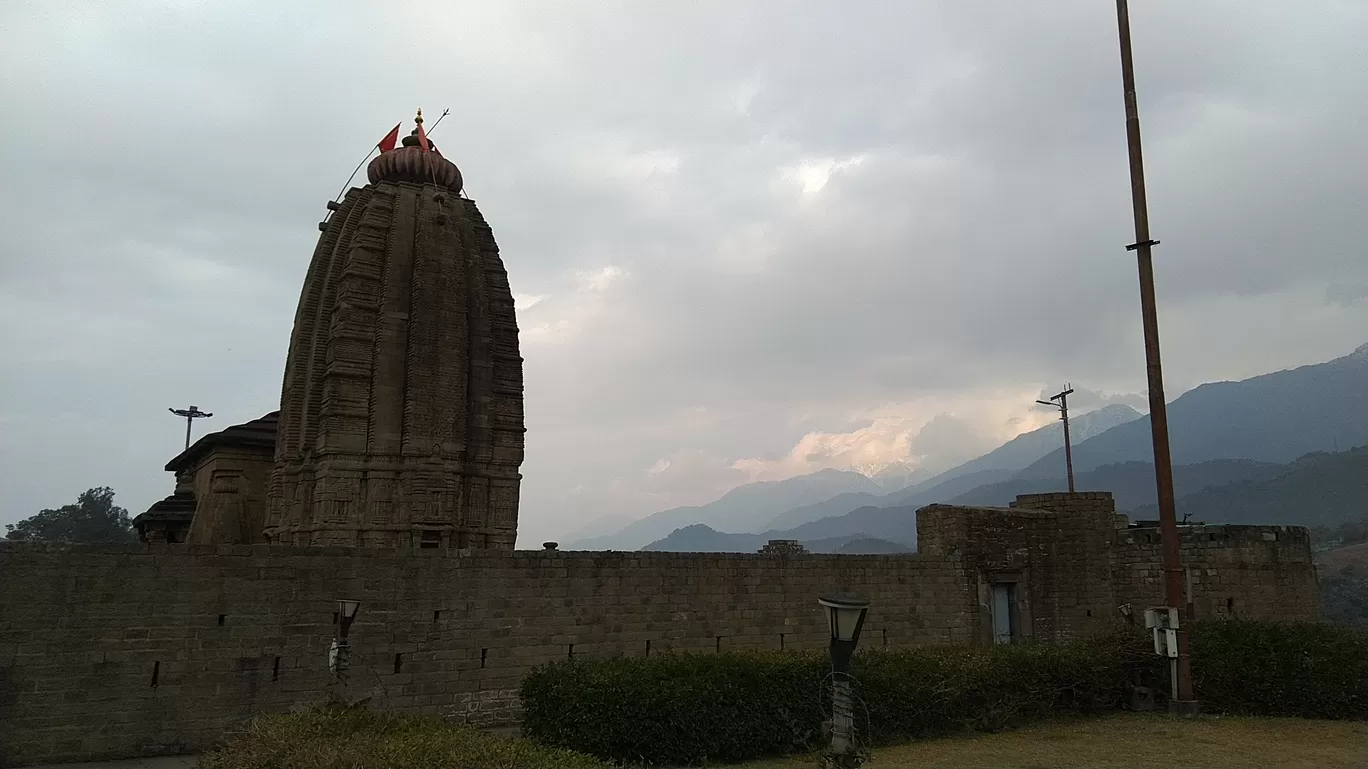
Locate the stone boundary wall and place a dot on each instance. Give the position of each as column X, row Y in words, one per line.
column 1246, row 572
column 134, row 650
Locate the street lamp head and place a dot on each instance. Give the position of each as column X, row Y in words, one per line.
column 845, row 617
column 346, row 609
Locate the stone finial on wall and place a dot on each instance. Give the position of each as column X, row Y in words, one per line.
column 783, row 547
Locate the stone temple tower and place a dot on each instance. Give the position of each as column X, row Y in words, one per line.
column 401, row 413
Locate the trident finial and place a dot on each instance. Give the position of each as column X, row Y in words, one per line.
column 419, row 119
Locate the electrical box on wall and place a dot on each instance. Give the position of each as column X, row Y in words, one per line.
column 1163, row 622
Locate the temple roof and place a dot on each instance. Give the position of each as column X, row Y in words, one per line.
column 414, row 163
column 258, row 433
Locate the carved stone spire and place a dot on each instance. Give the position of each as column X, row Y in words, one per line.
column 401, row 417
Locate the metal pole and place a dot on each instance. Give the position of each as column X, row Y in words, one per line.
column 1068, row 445
column 1063, row 406
column 842, row 716
column 190, row 414
column 1163, row 466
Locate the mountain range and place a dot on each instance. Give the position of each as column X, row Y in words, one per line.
column 1317, row 489
column 1229, row 435
column 703, row 539
column 1275, row 417
column 1023, row 450
column 744, row 508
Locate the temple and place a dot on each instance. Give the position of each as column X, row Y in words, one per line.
column 401, row 415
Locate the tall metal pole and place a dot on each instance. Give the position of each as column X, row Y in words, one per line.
column 1068, row 444
column 190, row 414
column 1063, row 406
column 1163, row 466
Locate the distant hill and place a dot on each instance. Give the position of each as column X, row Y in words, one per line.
column 837, row 505
column 1027, row 448
column 892, row 476
column 944, row 490
column 745, row 508
column 699, row 538
column 599, row 527
column 892, row 524
column 703, row 539
column 1275, row 417
column 1342, row 564
column 1319, row 489
column 898, row 524
column 872, row 545
column 1131, row 483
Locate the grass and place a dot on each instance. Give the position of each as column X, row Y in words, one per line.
column 354, row 738
column 1134, row 741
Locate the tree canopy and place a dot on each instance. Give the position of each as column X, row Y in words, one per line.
column 94, row 518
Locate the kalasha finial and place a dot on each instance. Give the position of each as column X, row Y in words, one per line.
column 416, row 162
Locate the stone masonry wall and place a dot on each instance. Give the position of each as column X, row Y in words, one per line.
column 131, row 650
column 1250, row 572
column 231, row 484
column 1058, row 561
column 1071, row 567
column 128, row 650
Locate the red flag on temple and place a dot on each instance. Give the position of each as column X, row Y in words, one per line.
column 386, row 144
column 422, row 137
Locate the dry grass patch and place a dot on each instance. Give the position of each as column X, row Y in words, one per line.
column 1135, row 741
column 355, row 738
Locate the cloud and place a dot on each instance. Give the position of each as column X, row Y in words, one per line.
column 757, row 242
column 1083, row 400
column 692, row 472
column 908, row 433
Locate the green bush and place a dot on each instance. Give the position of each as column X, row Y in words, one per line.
column 1311, row 670
column 936, row 691
column 694, row 709
column 333, row 737
column 679, row 708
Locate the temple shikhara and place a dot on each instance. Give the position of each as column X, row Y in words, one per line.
column 401, row 411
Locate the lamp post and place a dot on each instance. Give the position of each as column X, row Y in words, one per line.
column 190, row 414
column 339, row 656
column 845, row 619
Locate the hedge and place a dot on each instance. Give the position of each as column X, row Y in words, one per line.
column 694, row 709
column 338, row 737
column 681, row 708
column 1310, row 670
column 945, row 690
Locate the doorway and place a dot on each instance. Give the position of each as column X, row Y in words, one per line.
column 1002, row 612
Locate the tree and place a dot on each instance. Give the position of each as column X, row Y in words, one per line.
column 94, row 518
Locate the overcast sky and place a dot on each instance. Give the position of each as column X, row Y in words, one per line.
column 748, row 240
